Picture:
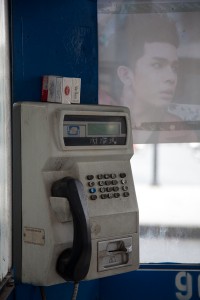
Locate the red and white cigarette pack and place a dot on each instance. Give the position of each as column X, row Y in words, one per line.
column 61, row 89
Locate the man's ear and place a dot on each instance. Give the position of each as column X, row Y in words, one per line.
column 125, row 74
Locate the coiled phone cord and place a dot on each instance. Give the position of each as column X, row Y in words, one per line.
column 42, row 293
column 75, row 291
column 74, row 296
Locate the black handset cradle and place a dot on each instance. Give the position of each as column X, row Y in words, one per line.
column 73, row 263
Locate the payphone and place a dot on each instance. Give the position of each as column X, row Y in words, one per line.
column 75, row 208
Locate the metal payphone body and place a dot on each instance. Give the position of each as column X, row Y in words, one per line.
column 63, row 152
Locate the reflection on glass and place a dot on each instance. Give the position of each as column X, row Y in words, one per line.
column 169, row 205
column 149, row 60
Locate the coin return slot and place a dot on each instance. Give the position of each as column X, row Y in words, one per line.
column 115, row 253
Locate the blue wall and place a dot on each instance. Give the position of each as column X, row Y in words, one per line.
column 54, row 38
column 60, row 38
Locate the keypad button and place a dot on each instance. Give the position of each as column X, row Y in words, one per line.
column 104, row 196
column 102, row 189
column 126, row 194
column 101, row 183
column 93, row 197
column 90, row 177
column 100, row 176
column 110, row 196
column 109, row 189
column 115, row 188
column 106, row 176
column 122, row 175
column 113, row 176
column 116, row 195
column 123, row 181
column 125, row 188
column 91, row 183
column 114, row 182
column 108, row 182
column 92, row 190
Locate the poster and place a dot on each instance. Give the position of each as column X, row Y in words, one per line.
column 149, row 60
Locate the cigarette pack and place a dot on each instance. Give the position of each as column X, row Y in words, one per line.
column 61, row 89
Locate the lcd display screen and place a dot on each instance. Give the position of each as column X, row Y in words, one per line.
column 104, row 129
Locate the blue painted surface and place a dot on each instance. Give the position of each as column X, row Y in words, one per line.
column 54, row 38
column 87, row 290
column 161, row 285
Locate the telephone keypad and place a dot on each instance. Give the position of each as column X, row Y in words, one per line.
column 108, row 189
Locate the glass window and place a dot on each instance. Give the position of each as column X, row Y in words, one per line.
column 168, row 187
column 149, row 60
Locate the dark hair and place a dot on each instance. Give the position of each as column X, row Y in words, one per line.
column 130, row 39
column 138, row 30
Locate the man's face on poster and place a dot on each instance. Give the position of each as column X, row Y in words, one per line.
column 154, row 77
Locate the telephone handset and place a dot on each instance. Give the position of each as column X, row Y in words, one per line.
column 73, row 263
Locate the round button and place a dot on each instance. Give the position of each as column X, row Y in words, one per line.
column 108, row 182
column 124, row 188
column 92, row 190
column 91, row 183
column 114, row 182
column 115, row 188
column 106, row 176
column 109, row 189
column 101, row 183
column 116, row 195
column 113, row 176
column 102, row 189
column 126, row 194
column 90, row 177
column 100, row 176
column 104, row 196
column 123, row 181
column 110, row 196
column 93, row 197
column 122, row 175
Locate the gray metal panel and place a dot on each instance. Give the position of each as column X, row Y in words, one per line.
column 5, row 145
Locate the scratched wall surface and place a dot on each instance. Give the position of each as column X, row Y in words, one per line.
column 54, row 38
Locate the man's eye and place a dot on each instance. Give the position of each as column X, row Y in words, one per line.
column 157, row 65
